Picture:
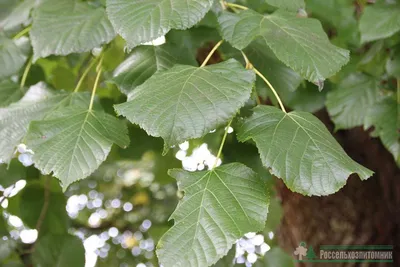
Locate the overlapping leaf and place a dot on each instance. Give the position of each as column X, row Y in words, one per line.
column 219, row 207
column 60, row 251
column 292, row 5
column 383, row 117
column 35, row 105
column 19, row 14
column 144, row 61
column 73, row 142
column 353, row 96
column 300, row 43
column 10, row 92
column 12, row 56
column 299, row 149
column 379, row 21
column 67, row 26
column 140, row 21
column 187, row 102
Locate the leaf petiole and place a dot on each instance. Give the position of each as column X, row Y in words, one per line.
column 250, row 66
column 22, row 33
column 99, row 69
column 84, row 74
column 211, row 53
column 222, row 143
column 233, row 6
column 25, row 75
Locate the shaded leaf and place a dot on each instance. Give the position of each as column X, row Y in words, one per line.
column 299, row 43
column 60, row 251
column 219, row 207
column 187, row 102
column 35, row 105
column 63, row 27
column 353, row 96
column 9, row 175
column 379, row 21
column 31, row 204
column 299, row 149
column 292, row 5
column 12, row 56
column 10, row 92
column 74, row 141
column 383, row 117
column 144, row 61
column 19, row 14
column 140, row 21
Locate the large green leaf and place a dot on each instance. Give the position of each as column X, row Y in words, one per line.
column 280, row 76
column 60, row 251
column 10, row 92
column 352, row 97
column 19, row 15
column 218, row 208
column 63, row 27
column 140, row 21
column 144, row 61
column 292, row 5
column 12, row 56
column 299, row 149
column 187, row 102
column 74, row 141
column 300, row 43
column 383, row 117
column 35, row 105
column 31, row 204
column 379, row 21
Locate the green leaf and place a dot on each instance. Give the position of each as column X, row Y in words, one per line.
column 299, row 149
column 63, row 27
column 19, row 15
column 10, row 92
column 74, row 141
column 291, row 5
column 7, row 247
column 9, row 175
column 31, row 205
column 218, row 208
column 35, row 105
column 379, row 21
column 383, row 117
column 353, row 96
column 300, row 43
column 60, row 251
column 144, row 61
column 393, row 63
column 187, row 102
column 12, row 56
column 280, row 76
column 140, row 21
column 277, row 257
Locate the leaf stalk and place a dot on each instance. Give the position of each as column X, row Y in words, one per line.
column 211, row 53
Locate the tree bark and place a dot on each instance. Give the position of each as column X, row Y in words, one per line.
column 361, row 213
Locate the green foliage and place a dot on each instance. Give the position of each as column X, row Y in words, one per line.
column 187, row 102
column 219, row 207
column 297, row 147
column 315, row 57
column 213, row 83
column 53, row 33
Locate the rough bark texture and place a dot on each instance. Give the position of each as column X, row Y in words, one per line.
column 361, row 213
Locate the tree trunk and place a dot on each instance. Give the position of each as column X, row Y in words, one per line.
column 361, row 213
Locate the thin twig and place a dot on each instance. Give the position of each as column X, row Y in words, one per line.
column 45, row 207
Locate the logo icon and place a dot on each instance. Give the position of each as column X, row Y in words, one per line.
column 301, row 250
